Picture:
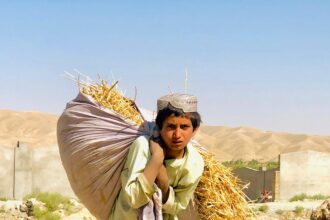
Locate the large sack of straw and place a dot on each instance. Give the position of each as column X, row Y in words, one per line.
column 93, row 143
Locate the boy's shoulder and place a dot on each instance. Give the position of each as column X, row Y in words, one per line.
column 142, row 140
column 141, row 144
column 195, row 159
column 193, row 152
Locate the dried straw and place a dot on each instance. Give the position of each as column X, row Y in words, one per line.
column 111, row 98
column 218, row 194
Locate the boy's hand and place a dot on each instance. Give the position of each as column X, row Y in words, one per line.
column 162, row 182
column 157, row 159
column 156, row 150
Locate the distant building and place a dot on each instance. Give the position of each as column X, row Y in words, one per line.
column 258, row 182
column 299, row 172
column 304, row 172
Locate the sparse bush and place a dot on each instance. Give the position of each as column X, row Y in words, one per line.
column 303, row 196
column 298, row 210
column 254, row 164
column 52, row 202
column 279, row 211
column 319, row 197
column 45, row 214
column 299, row 197
column 263, row 208
column 254, row 209
column 3, row 199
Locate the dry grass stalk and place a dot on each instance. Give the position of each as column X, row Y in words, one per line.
column 218, row 194
column 111, row 98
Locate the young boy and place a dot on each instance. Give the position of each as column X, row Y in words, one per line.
column 169, row 162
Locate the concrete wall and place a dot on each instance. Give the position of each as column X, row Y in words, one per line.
column 258, row 180
column 24, row 169
column 48, row 172
column 276, row 186
column 6, row 172
column 41, row 169
column 304, row 172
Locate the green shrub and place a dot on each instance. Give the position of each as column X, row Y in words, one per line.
column 303, row 196
column 254, row 164
column 298, row 210
column 319, row 197
column 263, row 208
column 254, row 209
column 52, row 201
column 3, row 199
column 279, row 211
column 299, row 197
column 45, row 214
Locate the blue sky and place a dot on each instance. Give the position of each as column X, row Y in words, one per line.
column 261, row 64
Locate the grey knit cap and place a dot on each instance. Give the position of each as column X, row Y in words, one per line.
column 186, row 102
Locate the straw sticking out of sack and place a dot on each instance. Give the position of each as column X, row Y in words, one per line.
column 111, row 98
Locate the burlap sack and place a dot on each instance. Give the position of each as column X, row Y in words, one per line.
column 93, row 143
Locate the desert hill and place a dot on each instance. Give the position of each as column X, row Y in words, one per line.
column 250, row 143
column 39, row 130
column 36, row 128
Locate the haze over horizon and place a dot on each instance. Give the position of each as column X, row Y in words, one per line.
column 255, row 64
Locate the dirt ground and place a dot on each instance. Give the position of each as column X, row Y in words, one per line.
column 299, row 210
column 10, row 210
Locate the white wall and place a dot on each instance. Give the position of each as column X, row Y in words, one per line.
column 304, row 172
column 35, row 169
column 6, row 171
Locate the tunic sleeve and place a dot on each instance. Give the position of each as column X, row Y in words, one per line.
column 179, row 199
column 180, row 196
column 137, row 189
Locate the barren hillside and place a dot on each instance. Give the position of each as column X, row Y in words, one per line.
column 249, row 143
column 35, row 128
column 39, row 129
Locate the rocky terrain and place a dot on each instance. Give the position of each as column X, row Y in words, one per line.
column 301, row 210
column 24, row 210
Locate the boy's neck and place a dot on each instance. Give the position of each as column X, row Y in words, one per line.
column 175, row 154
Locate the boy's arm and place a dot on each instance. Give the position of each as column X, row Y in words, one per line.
column 154, row 165
column 161, row 175
column 139, row 184
column 140, row 172
column 180, row 196
column 179, row 199
column 162, row 183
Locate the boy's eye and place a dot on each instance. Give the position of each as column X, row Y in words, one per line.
column 171, row 126
column 184, row 126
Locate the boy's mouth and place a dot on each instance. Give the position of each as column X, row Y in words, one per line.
column 177, row 142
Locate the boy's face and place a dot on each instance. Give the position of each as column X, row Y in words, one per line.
column 176, row 132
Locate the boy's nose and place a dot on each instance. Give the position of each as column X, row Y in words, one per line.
column 176, row 133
